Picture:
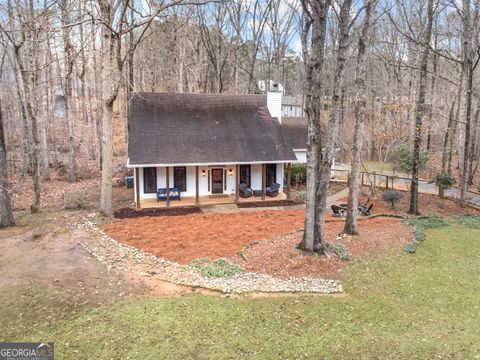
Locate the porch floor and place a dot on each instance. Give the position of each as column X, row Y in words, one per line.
column 206, row 200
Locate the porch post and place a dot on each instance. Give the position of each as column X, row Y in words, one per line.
column 137, row 187
column 289, row 179
column 197, row 182
column 237, row 184
column 168, row 185
column 264, row 175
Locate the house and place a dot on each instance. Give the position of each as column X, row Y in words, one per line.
column 293, row 106
column 207, row 144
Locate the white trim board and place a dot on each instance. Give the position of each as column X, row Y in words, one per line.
column 213, row 163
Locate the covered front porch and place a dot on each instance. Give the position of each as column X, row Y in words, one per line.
column 208, row 184
column 209, row 200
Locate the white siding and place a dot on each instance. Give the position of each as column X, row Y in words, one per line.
column 274, row 104
column 256, row 180
column 301, row 156
column 280, row 174
column 256, row 176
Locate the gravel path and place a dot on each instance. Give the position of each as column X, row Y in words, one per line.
column 116, row 255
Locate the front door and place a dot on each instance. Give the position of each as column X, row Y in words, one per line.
column 217, row 181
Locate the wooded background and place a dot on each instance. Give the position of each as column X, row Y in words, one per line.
column 67, row 68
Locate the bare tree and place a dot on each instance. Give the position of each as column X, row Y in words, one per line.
column 420, row 108
column 313, row 29
column 328, row 151
column 351, row 223
column 6, row 215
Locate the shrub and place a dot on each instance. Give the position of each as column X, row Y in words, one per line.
column 402, row 158
column 472, row 222
column 431, row 222
column 392, row 197
column 299, row 173
column 215, row 268
column 76, row 201
column 62, row 170
column 340, row 250
column 444, row 181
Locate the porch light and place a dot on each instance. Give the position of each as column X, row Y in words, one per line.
column 204, row 173
column 230, row 171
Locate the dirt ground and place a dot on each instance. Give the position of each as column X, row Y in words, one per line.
column 428, row 205
column 56, row 192
column 44, row 252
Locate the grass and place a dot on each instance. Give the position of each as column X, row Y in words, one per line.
column 404, row 306
column 378, row 166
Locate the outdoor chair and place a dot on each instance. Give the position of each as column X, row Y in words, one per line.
column 365, row 209
column 338, row 210
column 273, row 189
column 174, row 194
column 244, row 191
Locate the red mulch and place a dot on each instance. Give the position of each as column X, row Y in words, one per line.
column 267, row 238
column 279, row 257
column 185, row 238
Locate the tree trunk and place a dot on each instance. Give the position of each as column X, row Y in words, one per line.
column 68, row 90
column 333, row 123
column 314, row 86
column 6, row 215
column 351, row 222
column 107, row 158
column 420, row 111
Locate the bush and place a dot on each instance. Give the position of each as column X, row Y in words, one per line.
column 444, row 181
column 340, row 250
column 392, row 197
column 402, row 158
column 215, row 268
column 299, row 173
column 62, row 170
column 76, row 201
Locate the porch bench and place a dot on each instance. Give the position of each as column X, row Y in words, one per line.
column 174, row 194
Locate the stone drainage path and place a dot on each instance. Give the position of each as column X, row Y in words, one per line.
column 116, row 255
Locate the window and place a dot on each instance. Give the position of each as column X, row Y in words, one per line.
column 245, row 177
column 271, row 174
column 180, row 178
column 149, row 180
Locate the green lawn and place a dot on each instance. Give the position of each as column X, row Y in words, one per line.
column 408, row 306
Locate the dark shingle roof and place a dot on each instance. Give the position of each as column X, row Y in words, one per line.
column 294, row 131
column 203, row 128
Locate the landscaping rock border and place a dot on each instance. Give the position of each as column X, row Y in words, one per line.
column 116, row 255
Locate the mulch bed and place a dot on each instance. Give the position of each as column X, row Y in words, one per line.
column 129, row 213
column 268, row 203
column 259, row 241
column 203, row 235
column 279, row 257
